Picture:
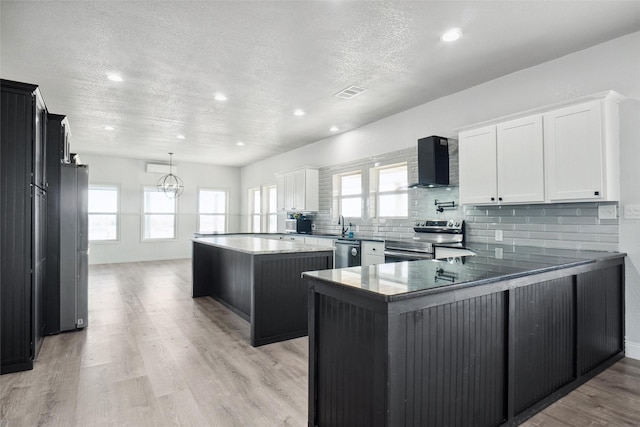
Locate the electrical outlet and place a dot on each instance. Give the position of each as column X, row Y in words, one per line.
column 607, row 212
column 499, row 236
column 632, row 212
column 80, row 322
column 357, row 228
column 498, row 253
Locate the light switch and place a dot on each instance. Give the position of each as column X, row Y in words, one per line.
column 499, row 236
column 632, row 212
column 607, row 212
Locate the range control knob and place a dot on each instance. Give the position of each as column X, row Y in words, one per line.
column 450, row 223
column 456, row 224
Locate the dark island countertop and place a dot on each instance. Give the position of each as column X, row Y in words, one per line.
column 398, row 281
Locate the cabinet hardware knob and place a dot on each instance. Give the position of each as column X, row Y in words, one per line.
column 493, row 198
column 596, row 193
column 500, row 198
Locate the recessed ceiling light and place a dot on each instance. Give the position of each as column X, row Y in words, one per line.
column 109, row 128
column 451, row 35
column 299, row 112
column 114, row 77
column 181, row 137
column 240, row 143
column 220, row 97
column 334, row 129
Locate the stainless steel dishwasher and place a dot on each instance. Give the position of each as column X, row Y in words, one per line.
column 347, row 253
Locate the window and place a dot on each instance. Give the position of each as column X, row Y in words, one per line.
column 272, row 208
column 212, row 211
column 159, row 215
column 393, row 200
column 255, row 216
column 350, row 194
column 103, row 213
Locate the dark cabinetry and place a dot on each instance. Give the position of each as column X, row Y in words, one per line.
column 23, row 202
column 485, row 355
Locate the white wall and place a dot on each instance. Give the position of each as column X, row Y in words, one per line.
column 131, row 177
column 612, row 65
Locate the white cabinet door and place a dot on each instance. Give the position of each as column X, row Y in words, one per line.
column 311, row 241
column 280, row 201
column 477, row 157
column 297, row 190
column 520, row 160
column 372, row 253
column 289, row 191
column 574, row 152
column 298, row 181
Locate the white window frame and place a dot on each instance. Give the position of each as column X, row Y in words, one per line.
column 270, row 212
column 117, row 213
column 375, row 181
column 144, row 214
column 339, row 197
column 226, row 207
column 255, row 212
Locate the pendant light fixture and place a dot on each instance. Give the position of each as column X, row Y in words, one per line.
column 170, row 184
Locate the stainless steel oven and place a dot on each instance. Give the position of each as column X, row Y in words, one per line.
column 398, row 251
column 428, row 234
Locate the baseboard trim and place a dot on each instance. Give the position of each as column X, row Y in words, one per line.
column 632, row 350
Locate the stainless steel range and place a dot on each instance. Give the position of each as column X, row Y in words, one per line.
column 428, row 234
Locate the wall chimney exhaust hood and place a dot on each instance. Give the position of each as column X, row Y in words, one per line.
column 433, row 162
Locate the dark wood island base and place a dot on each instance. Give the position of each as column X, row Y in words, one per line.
column 260, row 281
column 480, row 344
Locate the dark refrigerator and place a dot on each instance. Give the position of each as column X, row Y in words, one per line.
column 74, row 192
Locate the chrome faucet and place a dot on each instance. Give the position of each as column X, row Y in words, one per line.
column 344, row 228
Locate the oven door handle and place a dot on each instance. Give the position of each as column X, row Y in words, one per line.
column 408, row 254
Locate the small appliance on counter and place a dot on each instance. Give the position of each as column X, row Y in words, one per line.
column 298, row 223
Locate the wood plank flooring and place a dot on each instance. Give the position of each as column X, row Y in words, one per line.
column 154, row 356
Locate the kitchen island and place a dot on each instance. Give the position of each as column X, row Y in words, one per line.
column 487, row 342
column 260, row 280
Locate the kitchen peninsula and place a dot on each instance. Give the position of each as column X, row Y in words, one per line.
column 487, row 342
column 260, row 280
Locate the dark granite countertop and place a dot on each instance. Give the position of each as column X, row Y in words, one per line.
column 396, row 281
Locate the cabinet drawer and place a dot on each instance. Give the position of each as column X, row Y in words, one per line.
column 373, row 248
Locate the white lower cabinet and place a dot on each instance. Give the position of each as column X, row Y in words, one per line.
column 372, row 253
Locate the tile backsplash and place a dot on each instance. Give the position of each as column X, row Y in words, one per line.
column 561, row 226
column 565, row 226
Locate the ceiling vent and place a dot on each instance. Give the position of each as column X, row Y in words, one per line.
column 350, row 92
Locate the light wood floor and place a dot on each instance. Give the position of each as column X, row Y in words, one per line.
column 153, row 356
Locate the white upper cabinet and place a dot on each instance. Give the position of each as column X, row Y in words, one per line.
column 502, row 163
column 581, row 147
column 478, row 172
column 520, row 161
column 560, row 154
column 297, row 190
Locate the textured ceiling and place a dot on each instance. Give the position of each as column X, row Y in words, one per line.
column 270, row 58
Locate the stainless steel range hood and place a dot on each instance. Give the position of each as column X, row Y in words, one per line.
column 433, row 162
